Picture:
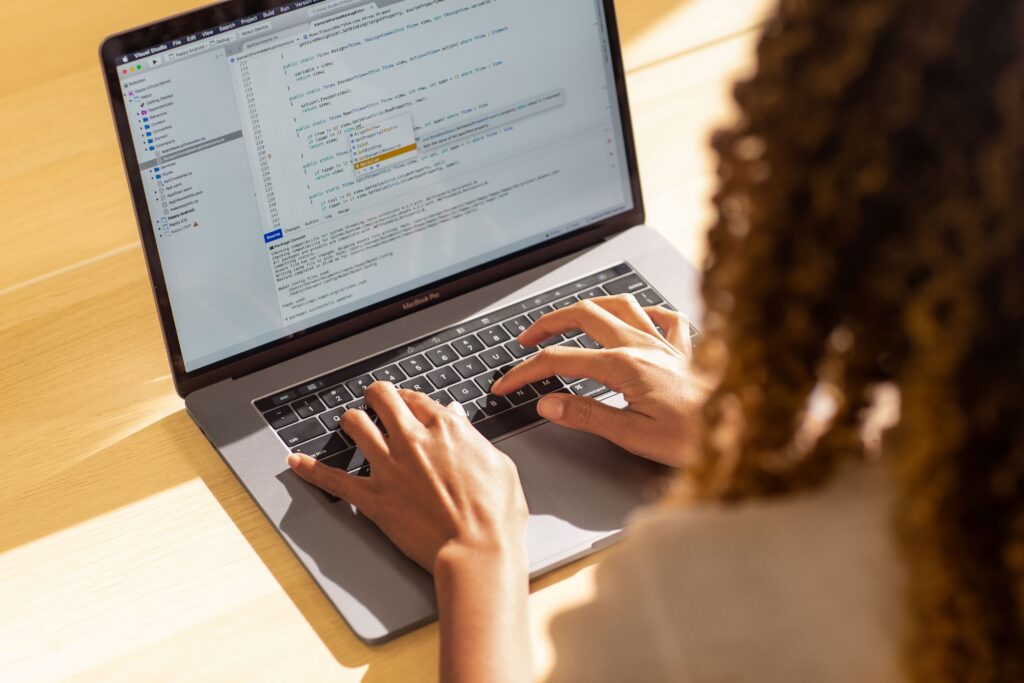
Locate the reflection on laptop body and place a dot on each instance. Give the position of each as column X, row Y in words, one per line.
column 337, row 192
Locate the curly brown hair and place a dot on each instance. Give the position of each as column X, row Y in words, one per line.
column 870, row 234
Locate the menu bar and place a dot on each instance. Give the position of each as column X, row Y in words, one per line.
column 245, row 26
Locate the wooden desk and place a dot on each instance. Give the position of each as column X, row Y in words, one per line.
column 127, row 550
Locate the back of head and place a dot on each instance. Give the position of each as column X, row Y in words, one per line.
column 870, row 235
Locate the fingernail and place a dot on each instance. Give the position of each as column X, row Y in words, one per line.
column 551, row 408
column 294, row 461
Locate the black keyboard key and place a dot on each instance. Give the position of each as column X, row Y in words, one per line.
column 474, row 412
column 496, row 357
column 279, row 418
column 301, row 432
column 588, row 388
column 357, row 386
column 572, row 334
column 522, row 395
column 470, row 367
column 571, row 344
column 487, row 380
column 588, row 342
column 417, row 365
column 390, row 374
column 627, row 285
column 332, row 419
column 420, row 384
column 509, row 421
column 564, row 303
column 441, row 356
column 553, row 341
column 492, row 405
column 517, row 326
column 443, row 397
column 360, row 404
column 308, row 407
column 592, row 293
column 694, row 332
column 468, row 346
column 323, row 446
column 465, row 392
column 338, row 396
column 541, row 312
column 358, row 464
column 518, row 350
column 649, row 297
column 493, row 336
column 547, row 386
column 348, row 460
column 444, row 377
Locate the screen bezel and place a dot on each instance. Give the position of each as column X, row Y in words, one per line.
column 377, row 314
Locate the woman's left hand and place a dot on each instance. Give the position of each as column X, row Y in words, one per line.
column 437, row 486
column 453, row 503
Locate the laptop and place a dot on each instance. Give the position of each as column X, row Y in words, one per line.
column 335, row 192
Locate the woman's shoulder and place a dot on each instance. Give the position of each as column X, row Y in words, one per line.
column 806, row 587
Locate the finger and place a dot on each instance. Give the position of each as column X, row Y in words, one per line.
column 626, row 308
column 594, row 417
column 393, row 412
column 566, row 361
column 358, row 425
column 458, row 409
column 676, row 326
column 424, row 408
column 604, row 327
column 354, row 490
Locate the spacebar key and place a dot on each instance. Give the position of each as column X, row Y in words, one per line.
column 509, row 421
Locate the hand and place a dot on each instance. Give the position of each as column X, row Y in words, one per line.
column 436, row 485
column 651, row 370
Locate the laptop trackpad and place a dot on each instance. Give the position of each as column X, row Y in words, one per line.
column 580, row 489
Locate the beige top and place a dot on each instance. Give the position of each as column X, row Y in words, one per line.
column 806, row 588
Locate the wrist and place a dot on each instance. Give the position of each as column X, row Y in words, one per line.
column 482, row 591
column 458, row 560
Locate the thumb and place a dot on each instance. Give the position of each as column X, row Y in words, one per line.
column 348, row 487
column 588, row 415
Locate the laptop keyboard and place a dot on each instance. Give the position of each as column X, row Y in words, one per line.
column 459, row 364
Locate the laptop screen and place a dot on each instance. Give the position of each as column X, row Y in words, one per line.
column 318, row 158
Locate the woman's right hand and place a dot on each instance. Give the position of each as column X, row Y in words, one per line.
column 651, row 370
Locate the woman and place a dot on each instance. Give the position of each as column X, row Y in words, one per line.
column 869, row 244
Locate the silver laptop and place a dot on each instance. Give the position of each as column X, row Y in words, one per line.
column 336, row 192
